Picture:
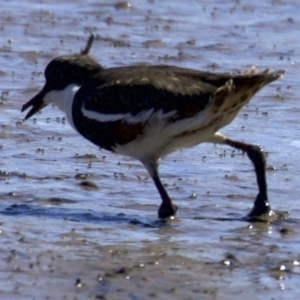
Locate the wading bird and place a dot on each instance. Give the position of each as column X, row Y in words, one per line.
column 147, row 112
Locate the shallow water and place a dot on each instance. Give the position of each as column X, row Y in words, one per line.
column 61, row 239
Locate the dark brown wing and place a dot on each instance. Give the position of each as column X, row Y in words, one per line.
column 138, row 89
column 165, row 88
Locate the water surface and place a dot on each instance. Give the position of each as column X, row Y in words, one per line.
column 62, row 240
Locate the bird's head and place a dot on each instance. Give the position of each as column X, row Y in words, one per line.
column 62, row 72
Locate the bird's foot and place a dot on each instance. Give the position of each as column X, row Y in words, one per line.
column 262, row 212
column 165, row 210
column 261, row 207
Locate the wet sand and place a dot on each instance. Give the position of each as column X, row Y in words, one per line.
column 77, row 222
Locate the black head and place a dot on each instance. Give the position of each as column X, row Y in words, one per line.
column 63, row 71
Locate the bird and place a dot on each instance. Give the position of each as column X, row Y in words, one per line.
column 149, row 111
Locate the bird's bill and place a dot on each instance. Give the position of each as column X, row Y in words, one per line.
column 37, row 103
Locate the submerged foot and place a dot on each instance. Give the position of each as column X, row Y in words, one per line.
column 165, row 211
column 262, row 212
column 261, row 207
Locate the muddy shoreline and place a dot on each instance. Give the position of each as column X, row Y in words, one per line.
column 62, row 238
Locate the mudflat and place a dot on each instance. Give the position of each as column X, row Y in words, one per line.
column 77, row 222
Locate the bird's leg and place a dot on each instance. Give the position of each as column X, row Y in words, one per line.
column 167, row 208
column 257, row 156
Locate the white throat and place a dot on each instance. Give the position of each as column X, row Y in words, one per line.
column 63, row 99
